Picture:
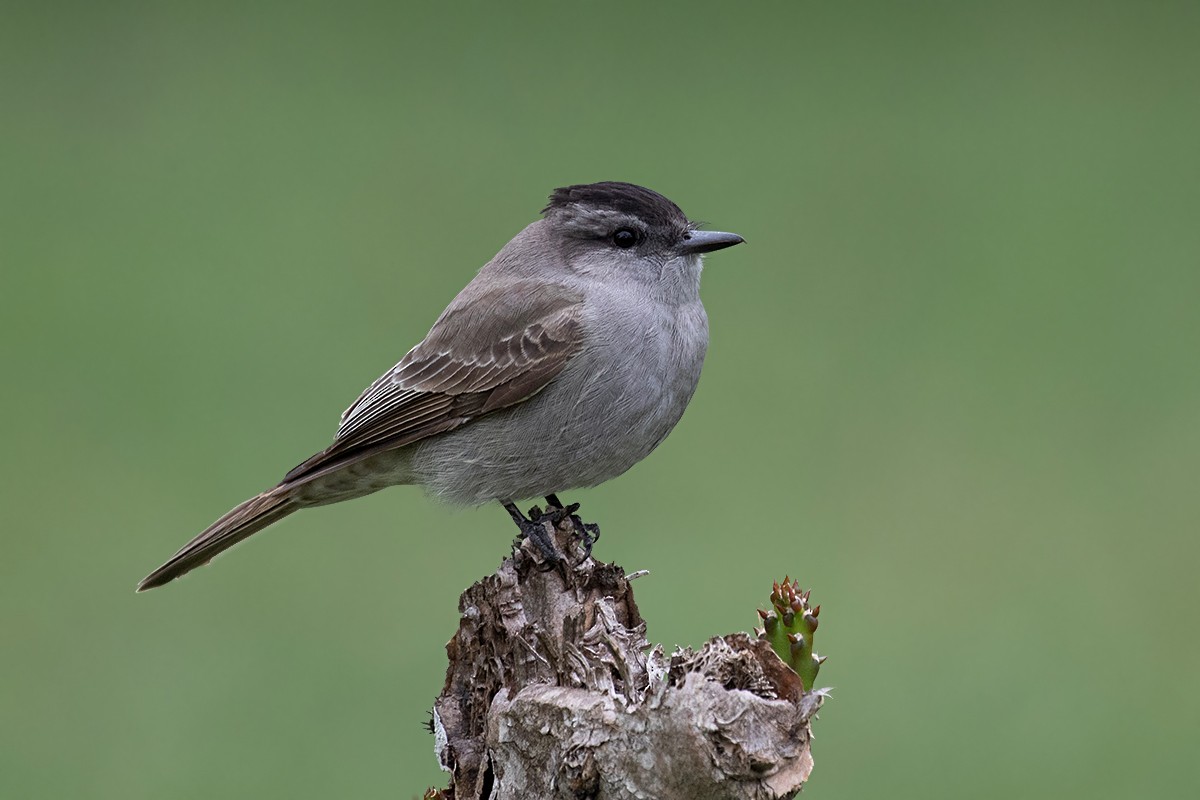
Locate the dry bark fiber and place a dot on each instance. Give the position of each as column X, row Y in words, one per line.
column 552, row 691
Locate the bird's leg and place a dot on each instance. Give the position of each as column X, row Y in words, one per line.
column 535, row 531
column 588, row 532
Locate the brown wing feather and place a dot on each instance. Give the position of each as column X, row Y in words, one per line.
column 490, row 349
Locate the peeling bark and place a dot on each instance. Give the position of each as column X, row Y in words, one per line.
column 552, row 691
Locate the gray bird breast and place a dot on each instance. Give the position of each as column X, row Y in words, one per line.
column 609, row 408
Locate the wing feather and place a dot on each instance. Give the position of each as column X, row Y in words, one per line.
column 491, row 349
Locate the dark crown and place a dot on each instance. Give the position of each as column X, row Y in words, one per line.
column 627, row 198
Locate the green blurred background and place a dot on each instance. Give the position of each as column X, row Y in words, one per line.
column 953, row 379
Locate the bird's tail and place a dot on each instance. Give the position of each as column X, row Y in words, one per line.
column 246, row 519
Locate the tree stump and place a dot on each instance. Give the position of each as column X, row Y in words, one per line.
column 552, row 691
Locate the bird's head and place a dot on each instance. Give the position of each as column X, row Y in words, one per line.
column 613, row 230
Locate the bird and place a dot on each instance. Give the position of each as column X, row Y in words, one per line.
column 566, row 360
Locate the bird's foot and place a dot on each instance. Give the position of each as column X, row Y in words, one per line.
column 588, row 532
column 535, row 531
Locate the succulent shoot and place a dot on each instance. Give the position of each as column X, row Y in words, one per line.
column 789, row 626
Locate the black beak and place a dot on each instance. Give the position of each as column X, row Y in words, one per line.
column 707, row 241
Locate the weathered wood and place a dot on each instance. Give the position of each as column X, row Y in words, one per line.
column 552, row 691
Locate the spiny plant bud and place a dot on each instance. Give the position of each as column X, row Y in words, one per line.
column 789, row 627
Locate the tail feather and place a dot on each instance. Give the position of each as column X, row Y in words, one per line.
column 246, row 519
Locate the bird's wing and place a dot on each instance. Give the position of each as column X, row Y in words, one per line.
column 491, row 348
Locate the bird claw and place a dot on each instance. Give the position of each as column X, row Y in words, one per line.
column 589, row 533
column 535, row 530
column 537, row 533
column 556, row 512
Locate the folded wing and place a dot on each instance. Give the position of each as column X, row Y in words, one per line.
column 490, row 349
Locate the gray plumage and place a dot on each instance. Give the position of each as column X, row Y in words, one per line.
column 564, row 362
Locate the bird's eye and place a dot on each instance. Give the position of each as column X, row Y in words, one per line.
column 624, row 238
